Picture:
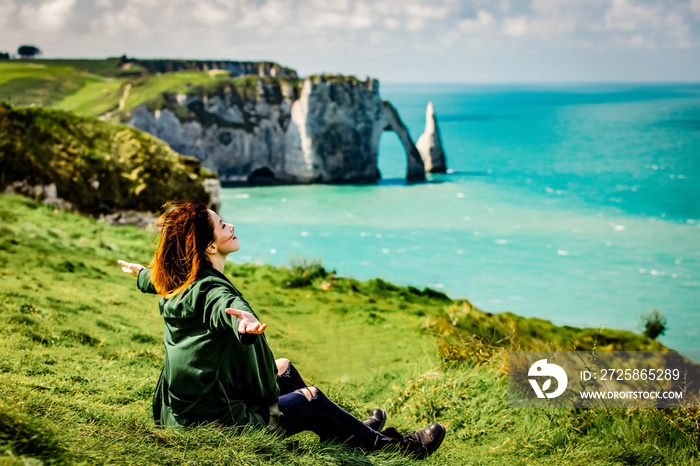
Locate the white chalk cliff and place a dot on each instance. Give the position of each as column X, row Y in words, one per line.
column 429, row 144
column 324, row 129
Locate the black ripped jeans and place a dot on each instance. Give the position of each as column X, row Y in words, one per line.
column 321, row 416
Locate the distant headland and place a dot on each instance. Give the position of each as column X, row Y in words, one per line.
column 248, row 122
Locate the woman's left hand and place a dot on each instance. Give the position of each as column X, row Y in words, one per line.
column 131, row 269
column 247, row 323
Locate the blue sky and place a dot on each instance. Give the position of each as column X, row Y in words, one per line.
column 392, row 40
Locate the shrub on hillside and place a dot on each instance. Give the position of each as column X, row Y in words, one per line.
column 303, row 272
column 654, row 324
column 96, row 166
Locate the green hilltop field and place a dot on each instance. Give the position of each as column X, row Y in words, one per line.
column 81, row 349
column 48, row 82
column 107, row 88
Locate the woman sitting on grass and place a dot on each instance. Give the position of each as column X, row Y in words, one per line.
column 218, row 366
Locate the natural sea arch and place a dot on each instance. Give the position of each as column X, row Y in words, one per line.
column 391, row 158
column 415, row 170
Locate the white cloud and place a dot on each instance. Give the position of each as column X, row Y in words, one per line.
column 393, row 23
column 415, row 24
column 449, row 38
column 636, row 40
column 336, row 5
column 676, row 25
column 211, row 13
column 573, row 24
column 483, row 20
column 7, row 10
column 426, row 11
column 662, row 24
column 549, row 6
column 128, row 20
column 274, row 13
column 516, row 26
column 623, row 16
column 695, row 7
column 377, row 37
column 51, row 14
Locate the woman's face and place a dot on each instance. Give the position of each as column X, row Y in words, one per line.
column 225, row 239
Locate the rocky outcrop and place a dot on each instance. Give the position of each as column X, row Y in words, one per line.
column 335, row 131
column 323, row 129
column 429, row 144
column 237, row 132
column 46, row 194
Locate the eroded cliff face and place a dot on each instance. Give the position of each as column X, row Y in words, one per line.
column 322, row 129
column 233, row 135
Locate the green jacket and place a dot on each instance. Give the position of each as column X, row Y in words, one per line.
column 210, row 375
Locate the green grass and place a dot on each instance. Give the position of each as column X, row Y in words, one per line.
column 107, row 67
column 95, row 98
column 81, row 350
column 10, row 70
column 34, row 84
column 147, row 88
column 86, row 87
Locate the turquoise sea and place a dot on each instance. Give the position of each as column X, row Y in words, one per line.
column 575, row 203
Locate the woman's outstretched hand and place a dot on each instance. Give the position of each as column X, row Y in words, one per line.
column 131, row 269
column 247, row 323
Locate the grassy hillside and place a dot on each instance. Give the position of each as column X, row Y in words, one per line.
column 81, row 349
column 46, row 82
column 96, row 166
column 103, row 87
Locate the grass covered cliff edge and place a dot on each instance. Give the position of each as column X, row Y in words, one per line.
column 81, row 349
